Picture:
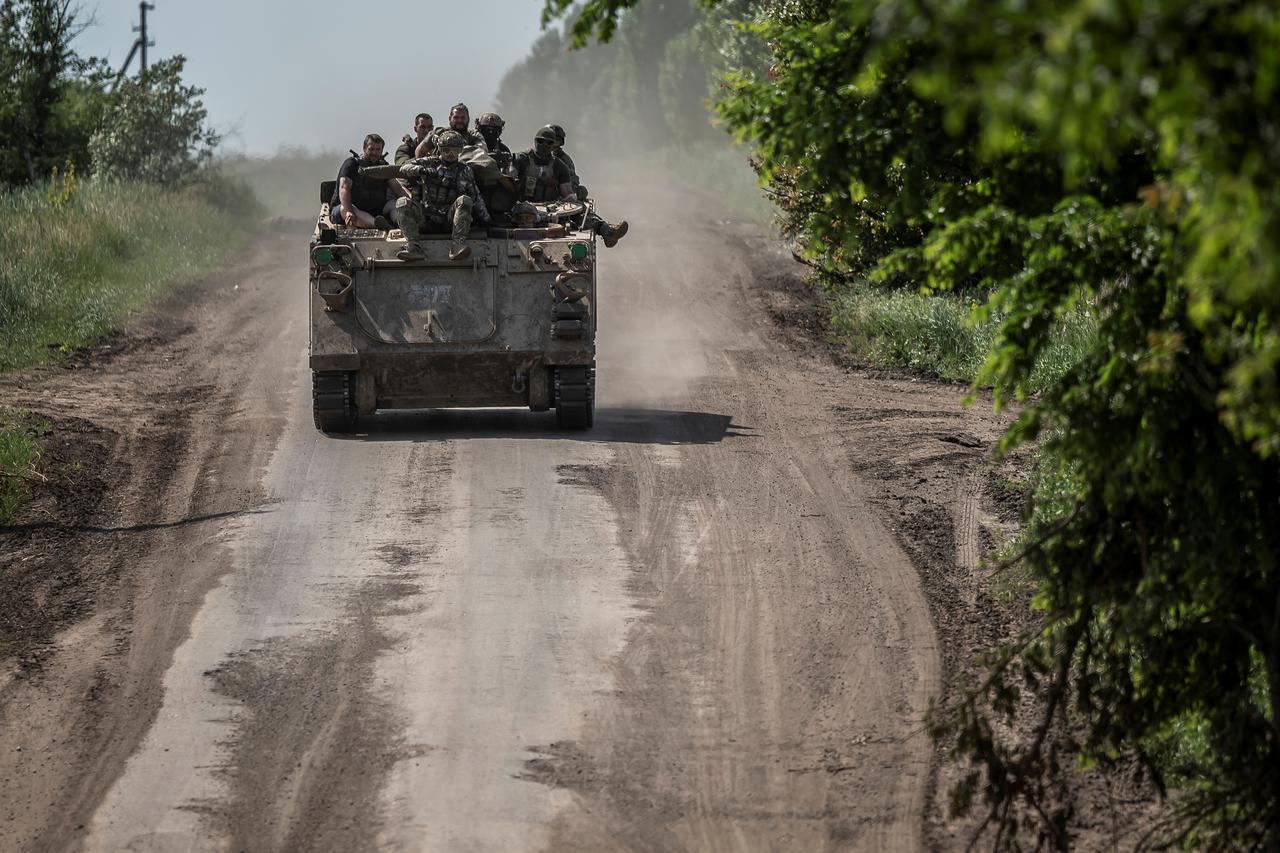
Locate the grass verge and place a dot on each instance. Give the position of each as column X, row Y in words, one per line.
column 934, row 334
column 73, row 268
column 19, row 453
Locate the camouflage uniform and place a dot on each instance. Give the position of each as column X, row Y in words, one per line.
column 405, row 153
column 444, row 196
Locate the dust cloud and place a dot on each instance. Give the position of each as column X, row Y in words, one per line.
column 637, row 112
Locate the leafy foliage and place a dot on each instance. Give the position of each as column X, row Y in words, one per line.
column 1116, row 154
column 598, row 18
column 155, row 130
column 61, row 106
column 54, row 97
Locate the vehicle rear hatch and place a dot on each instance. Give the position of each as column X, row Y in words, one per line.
column 427, row 302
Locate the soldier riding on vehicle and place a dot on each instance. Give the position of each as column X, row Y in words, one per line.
column 489, row 126
column 497, row 186
column 459, row 123
column 443, row 197
column 360, row 200
column 563, row 156
column 542, row 177
column 423, row 124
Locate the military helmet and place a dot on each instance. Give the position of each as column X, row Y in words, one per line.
column 545, row 134
column 490, row 120
column 450, row 139
column 559, row 131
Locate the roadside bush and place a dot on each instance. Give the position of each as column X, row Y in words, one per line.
column 155, row 130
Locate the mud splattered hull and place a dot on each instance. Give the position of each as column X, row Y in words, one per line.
column 513, row 324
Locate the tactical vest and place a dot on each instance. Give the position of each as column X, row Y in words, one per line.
column 539, row 184
column 369, row 194
column 439, row 187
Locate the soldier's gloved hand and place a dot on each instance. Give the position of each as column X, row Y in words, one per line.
column 582, row 193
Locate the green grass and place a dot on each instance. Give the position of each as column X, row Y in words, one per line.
column 71, row 272
column 934, row 334
column 18, row 454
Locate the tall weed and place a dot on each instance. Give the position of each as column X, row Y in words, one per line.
column 18, row 454
column 71, row 272
column 936, row 334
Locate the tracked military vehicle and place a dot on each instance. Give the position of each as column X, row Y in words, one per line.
column 512, row 325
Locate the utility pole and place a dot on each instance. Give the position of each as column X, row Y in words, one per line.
column 142, row 30
column 141, row 43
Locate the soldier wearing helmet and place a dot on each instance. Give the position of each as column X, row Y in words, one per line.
column 489, row 126
column 611, row 233
column 498, row 190
column 444, row 198
column 459, row 123
column 563, row 156
column 540, row 177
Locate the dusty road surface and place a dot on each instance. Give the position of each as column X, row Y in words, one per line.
column 696, row 627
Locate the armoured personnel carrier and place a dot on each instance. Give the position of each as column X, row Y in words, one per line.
column 512, row 325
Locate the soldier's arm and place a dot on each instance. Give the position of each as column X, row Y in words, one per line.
column 568, row 187
column 423, row 149
column 412, row 169
column 344, row 197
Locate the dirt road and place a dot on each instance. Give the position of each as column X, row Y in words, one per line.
column 708, row 624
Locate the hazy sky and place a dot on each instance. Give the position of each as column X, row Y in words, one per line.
column 321, row 74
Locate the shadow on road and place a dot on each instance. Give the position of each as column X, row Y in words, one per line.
column 613, row 425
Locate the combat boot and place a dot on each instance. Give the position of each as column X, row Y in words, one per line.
column 411, row 252
column 459, row 253
column 613, row 233
column 409, row 216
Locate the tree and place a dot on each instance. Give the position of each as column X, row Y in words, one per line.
column 36, row 57
column 155, row 129
column 1121, row 155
